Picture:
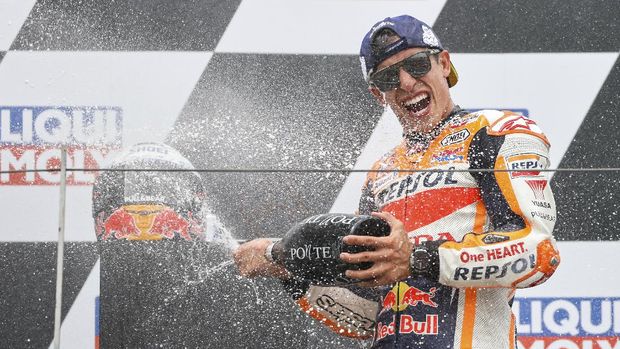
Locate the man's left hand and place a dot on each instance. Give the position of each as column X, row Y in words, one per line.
column 390, row 256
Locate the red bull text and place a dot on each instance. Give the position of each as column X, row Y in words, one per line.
column 407, row 325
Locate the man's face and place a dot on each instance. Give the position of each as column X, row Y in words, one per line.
column 419, row 103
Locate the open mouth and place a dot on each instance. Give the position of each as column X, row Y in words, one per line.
column 418, row 104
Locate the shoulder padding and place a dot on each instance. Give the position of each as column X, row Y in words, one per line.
column 490, row 115
column 386, row 161
column 506, row 122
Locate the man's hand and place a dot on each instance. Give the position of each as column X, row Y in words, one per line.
column 251, row 261
column 390, row 257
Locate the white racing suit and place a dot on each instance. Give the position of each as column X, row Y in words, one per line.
column 496, row 228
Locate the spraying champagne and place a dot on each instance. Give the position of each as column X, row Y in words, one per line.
column 310, row 250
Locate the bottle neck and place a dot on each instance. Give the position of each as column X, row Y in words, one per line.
column 277, row 253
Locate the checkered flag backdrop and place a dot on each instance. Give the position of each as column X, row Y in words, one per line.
column 267, row 84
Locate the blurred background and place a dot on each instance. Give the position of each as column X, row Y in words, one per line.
column 276, row 84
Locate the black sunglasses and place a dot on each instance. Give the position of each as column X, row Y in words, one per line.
column 416, row 65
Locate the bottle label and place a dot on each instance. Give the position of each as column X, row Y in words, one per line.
column 310, row 252
column 325, row 219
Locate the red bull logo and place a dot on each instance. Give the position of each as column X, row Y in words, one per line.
column 147, row 222
column 407, row 325
column 402, row 296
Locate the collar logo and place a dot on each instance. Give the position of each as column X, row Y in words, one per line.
column 456, row 137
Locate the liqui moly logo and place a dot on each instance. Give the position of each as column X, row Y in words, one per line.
column 31, row 138
column 573, row 323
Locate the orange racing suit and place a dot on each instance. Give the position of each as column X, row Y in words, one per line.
column 490, row 231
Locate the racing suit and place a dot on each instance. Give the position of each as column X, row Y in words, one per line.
column 491, row 232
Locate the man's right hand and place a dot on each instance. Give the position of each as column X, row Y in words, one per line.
column 251, row 261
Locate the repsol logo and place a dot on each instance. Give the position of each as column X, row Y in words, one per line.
column 526, row 165
column 409, row 184
column 495, row 271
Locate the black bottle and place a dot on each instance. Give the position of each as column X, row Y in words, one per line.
column 311, row 249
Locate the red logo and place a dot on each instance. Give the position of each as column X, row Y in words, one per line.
column 147, row 222
column 119, row 225
column 519, row 122
column 402, row 296
column 538, row 187
column 413, row 296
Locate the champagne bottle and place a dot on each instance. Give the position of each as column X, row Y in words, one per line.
column 311, row 249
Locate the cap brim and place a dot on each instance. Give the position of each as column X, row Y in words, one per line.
column 453, row 78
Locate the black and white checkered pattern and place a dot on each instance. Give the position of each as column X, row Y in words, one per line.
column 270, row 84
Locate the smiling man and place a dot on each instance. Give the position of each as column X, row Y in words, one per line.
column 401, row 79
column 468, row 202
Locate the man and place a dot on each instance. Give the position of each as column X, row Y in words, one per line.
column 156, row 237
column 167, row 279
column 152, row 205
column 465, row 231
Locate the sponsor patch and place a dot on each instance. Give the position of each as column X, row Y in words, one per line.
column 496, row 271
column 462, row 120
column 516, row 122
column 542, row 204
column 417, row 239
column 543, row 215
column 493, row 238
column 456, row 137
column 448, row 155
column 538, row 187
column 344, row 314
column 379, row 182
column 526, row 165
column 409, row 185
column 458, row 122
column 494, row 253
column 408, row 325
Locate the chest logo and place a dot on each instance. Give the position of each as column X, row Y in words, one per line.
column 410, row 184
column 456, row 137
column 448, row 155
